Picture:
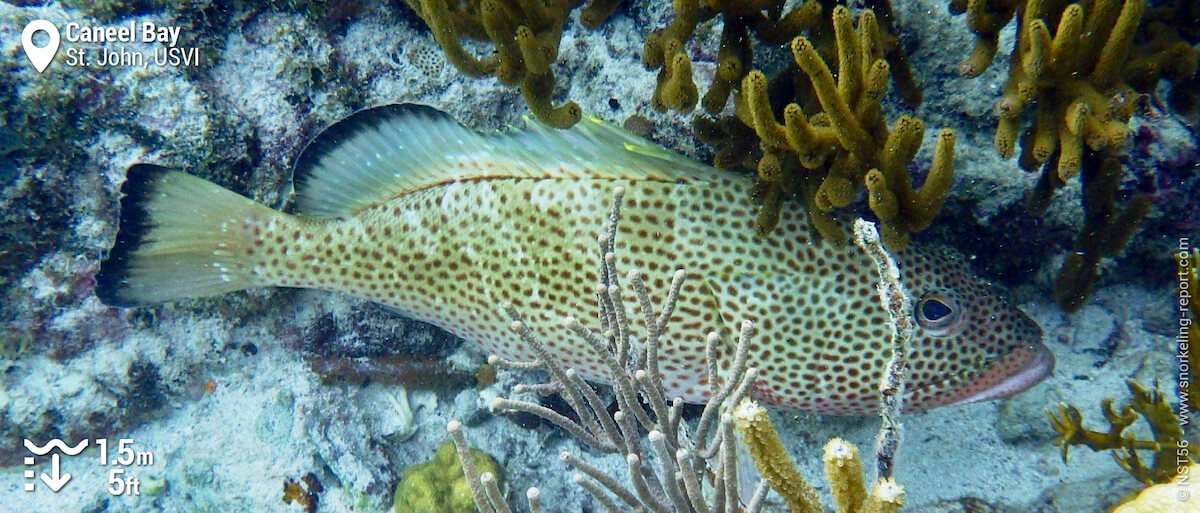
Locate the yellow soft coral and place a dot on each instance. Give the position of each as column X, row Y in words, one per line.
column 526, row 36
column 843, row 468
column 845, row 145
column 1077, row 73
column 1179, row 496
column 666, row 51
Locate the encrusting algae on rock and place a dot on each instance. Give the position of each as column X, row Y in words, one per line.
column 401, row 205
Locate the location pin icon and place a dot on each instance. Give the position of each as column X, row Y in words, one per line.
column 40, row 57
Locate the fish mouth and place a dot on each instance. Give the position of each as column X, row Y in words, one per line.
column 1026, row 367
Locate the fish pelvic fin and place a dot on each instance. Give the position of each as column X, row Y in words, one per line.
column 180, row 237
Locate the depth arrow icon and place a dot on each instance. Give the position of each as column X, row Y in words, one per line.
column 55, row 481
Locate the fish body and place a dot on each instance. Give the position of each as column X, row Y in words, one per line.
column 402, row 206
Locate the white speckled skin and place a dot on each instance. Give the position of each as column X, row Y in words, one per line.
column 406, row 208
column 450, row 254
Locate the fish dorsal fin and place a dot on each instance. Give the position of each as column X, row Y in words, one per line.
column 383, row 152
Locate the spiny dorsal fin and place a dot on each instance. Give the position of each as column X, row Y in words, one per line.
column 383, row 152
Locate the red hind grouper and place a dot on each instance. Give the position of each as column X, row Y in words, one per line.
column 403, row 206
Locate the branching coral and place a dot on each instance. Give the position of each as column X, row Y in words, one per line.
column 306, row 492
column 526, row 36
column 828, row 157
column 736, row 145
column 1070, row 80
column 1162, row 47
column 1152, row 407
column 1165, row 49
column 843, row 468
column 985, row 18
column 665, row 49
column 1078, row 70
column 777, row 467
column 1106, row 229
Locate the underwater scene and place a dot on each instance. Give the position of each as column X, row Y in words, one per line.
column 543, row 256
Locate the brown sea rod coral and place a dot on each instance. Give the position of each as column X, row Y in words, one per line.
column 1072, row 80
column 1163, row 44
column 666, row 51
column 830, row 153
column 769, row 22
column 1146, row 404
column 526, row 37
column 1076, row 76
column 985, row 18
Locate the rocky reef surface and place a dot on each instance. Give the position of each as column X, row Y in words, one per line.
column 222, row 391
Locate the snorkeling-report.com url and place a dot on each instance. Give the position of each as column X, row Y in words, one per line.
column 1186, row 296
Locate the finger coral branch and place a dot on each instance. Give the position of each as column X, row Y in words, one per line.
column 664, row 49
column 771, row 22
column 985, row 18
column 845, row 472
column 467, row 460
column 886, row 497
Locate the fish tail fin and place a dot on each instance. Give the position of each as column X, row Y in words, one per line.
column 180, row 237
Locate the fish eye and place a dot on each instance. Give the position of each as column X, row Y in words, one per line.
column 939, row 314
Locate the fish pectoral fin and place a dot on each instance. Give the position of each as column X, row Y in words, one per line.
column 383, row 152
column 709, row 291
column 710, row 283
